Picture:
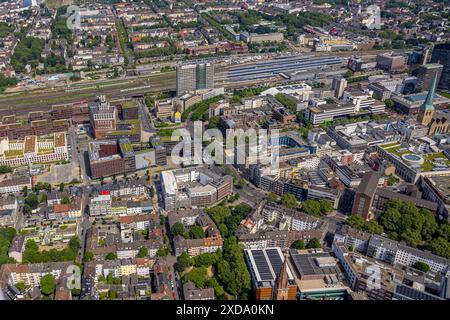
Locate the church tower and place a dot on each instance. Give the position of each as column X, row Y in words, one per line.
column 426, row 111
column 281, row 287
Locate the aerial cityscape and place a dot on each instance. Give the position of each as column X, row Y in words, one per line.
column 239, row 150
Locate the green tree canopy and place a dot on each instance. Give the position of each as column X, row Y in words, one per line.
column 183, row 262
column 313, row 243
column 326, row 206
column 178, row 229
column 143, row 252
column 48, row 284
column 288, row 200
column 312, row 207
column 197, row 232
column 298, row 244
column 271, row 197
column 422, row 266
column 111, row 256
column 205, row 260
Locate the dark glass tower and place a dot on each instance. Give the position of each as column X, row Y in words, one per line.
column 441, row 55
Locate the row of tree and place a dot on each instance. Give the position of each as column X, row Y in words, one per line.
column 228, row 218
column 230, row 275
column 32, row 254
column 403, row 221
column 6, row 236
column 196, row 232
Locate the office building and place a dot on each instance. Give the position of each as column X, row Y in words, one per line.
column 185, row 188
column 364, row 195
column 103, row 117
column 193, row 77
column 426, row 74
column 104, row 159
column 441, row 55
column 339, row 84
column 391, row 63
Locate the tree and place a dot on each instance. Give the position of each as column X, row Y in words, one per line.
column 440, row 246
column 5, row 169
column 240, row 184
column 143, row 252
column 89, row 256
column 162, row 252
column 389, row 103
column 355, row 221
column 372, row 226
column 389, row 219
column 312, row 207
column 6, row 236
column 411, row 237
column 288, row 200
column 392, row 180
column 32, row 200
column 74, row 244
column 25, row 191
column 183, row 262
column 197, row 232
column 111, row 256
column 298, row 244
column 152, row 192
column 313, row 244
column 26, row 209
column 213, row 122
column 198, row 276
column 65, row 199
column 61, row 187
column 43, row 198
column 112, row 294
column 326, row 206
column 271, row 197
column 218, row 289
column 162, row 220
column 232, row 271
column 205, row 260
column 422, row 266
column 48, row 284
column 348, row 74
column 429, row 225
column 177, row 229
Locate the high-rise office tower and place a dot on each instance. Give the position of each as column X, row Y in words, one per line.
column 426, row 74
column 339, row 84
column 194, row 76
column 441, row 55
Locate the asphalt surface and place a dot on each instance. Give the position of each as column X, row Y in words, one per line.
column 147, row 126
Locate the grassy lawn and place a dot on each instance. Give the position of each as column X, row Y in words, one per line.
column 395, row 150
column 445, row 94
column 436, row 156
column 389, row 145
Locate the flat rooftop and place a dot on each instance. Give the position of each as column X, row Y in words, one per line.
column 442, row 184
column 314, row 263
